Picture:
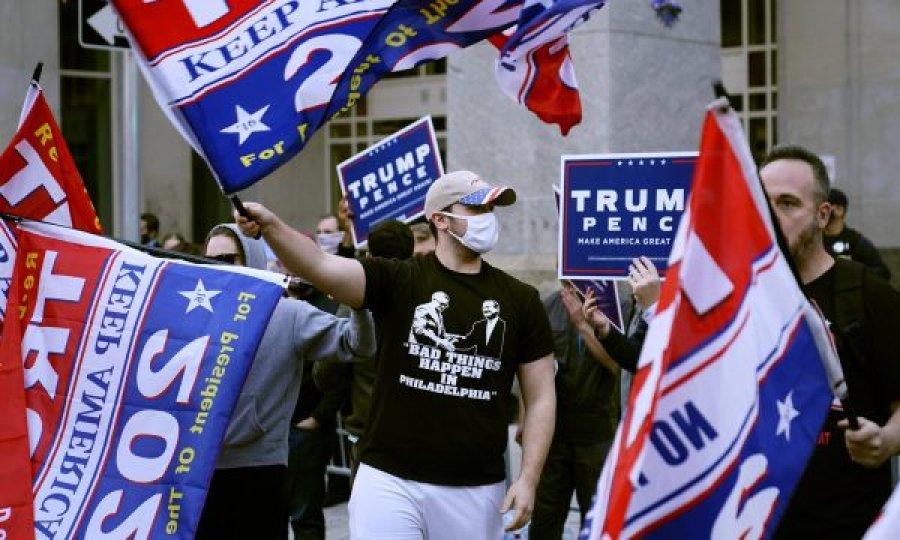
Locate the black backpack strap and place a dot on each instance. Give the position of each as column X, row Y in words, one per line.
column 849, row 310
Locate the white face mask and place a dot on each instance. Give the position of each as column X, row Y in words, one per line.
column 329, row 242
column 482, row 231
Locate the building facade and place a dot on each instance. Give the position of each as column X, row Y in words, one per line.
column 823, row 73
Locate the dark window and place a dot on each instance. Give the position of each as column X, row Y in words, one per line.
column 389, row 127
column 730, row 11
column 756, row 22
column 756, row 69
column 338, row 130
column 773, row 12
column 87, row 129
column 774, row 67
column 758, row 139
column 757, row 102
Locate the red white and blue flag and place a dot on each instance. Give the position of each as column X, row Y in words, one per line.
column 38, row 176
column 119, row 373
column 39, row 180
column 248, row 82
column 535, row 65
column 731, row 390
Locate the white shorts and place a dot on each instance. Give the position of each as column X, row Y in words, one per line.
column 385, row 507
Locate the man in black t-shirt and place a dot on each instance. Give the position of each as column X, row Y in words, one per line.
column 432, row 455
column 848, row 477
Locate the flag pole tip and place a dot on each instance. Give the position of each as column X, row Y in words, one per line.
column 36, row 76
column 720, row 92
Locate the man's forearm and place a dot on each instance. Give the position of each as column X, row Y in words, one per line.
column 537, row 432
column 596, row 350
column 299, row 253
column 362, row 341
column 339, row 277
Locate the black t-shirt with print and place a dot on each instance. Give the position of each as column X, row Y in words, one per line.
column 836, row 497
column 451, row 344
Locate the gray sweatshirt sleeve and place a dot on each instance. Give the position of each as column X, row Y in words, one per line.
column 321, row 336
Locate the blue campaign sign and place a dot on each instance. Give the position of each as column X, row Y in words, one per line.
column 616, row 207
column 389, row 180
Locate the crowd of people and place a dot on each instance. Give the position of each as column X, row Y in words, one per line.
column 435, row 351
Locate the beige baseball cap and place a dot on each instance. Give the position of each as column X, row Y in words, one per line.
column 467, row 188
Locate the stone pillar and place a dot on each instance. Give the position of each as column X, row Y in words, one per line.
column 20, row 52
column 839, row 94
column 165, row 170
column 644, row 88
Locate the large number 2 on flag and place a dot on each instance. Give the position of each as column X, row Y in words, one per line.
column 160, row 425
column 750, row 521
column 204, row 12
column 318, row 87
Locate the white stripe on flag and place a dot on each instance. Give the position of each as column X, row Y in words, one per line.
column 702, row 280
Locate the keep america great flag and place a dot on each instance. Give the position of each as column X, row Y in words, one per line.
column 248, row 82
column 118, row 375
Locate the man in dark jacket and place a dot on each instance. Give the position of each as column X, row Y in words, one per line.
column 848, row 243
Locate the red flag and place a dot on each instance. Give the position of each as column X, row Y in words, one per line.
column 16, row 500
column 38, row 177
column 38, row 180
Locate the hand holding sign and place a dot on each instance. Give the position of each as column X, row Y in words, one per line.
column 344, row 215
column 644, row 281
column 574, row 307
column 595, row 316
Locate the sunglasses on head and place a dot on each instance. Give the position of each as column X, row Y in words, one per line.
column 227, row 258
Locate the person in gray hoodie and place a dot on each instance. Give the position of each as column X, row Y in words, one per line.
column 247, row 496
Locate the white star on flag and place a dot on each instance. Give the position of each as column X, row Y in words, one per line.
column 199, row 297
column 786, row 414
column 247, row 123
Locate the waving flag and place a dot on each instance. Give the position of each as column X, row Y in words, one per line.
column 38, row 177
column 248, row 82
column 39, row 180
column 731, row 390
column 535, row 66
column 130, row 367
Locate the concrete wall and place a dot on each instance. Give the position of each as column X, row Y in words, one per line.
column 165, row 170
column 839, row 94
column 644, row 87
column 298, row 192
column 21, row 22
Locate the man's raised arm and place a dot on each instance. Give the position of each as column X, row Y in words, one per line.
column 340, row 277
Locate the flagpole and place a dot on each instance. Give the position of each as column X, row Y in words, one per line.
column 156, row 252
column 242, row 210
column 849, row 409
